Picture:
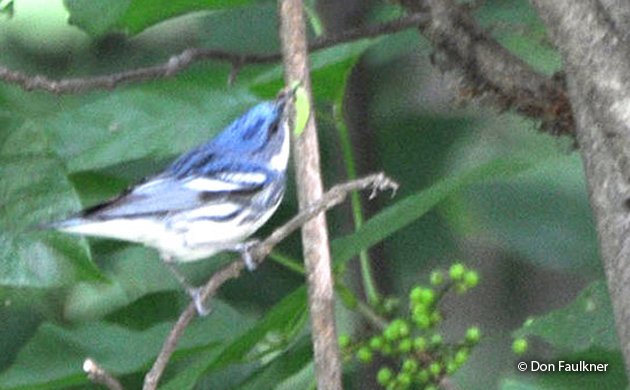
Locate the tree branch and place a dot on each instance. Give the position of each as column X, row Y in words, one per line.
column 334, row 196
column 484, row 69
column 315, row 243
column 592, row 37
column 99, row 376
column 185, row 59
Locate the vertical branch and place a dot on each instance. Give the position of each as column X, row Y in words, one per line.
column 309, row 187
column 592, row 37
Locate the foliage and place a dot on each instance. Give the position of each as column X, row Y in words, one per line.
column 475, row 184
column 413, row 341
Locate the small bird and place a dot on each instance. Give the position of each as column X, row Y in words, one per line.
column 209, row 200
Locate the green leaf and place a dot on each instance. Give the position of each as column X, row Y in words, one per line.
column 282, row 367
column 54, row 356
column 329, row 70
column 96, row 17
column 522, row 32
column 407, row 210
column 586, row 323
column 34, row 183
column 543, row 215
column 613, row 378
column 89, row 300
column 131, row 124
column 286, row 317
column 302, row 110
column 144, row 13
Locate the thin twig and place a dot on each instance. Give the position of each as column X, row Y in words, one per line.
column 99, row 376
column 315, row 242
column 183, row 60
column 334, row 196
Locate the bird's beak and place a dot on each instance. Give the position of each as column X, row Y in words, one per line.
column 286, row 94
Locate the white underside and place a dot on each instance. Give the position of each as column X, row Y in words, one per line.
column 177, row 240
column 176, row 237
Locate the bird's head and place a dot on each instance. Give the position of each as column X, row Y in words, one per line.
column 259, row 136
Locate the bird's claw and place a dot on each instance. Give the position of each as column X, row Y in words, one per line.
column 245, row 250
column 203, row 308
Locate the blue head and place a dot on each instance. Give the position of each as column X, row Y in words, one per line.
column 258, row 137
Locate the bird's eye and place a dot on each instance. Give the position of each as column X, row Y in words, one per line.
column 273, row 129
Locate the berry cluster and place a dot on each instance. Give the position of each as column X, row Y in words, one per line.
column 412, row 344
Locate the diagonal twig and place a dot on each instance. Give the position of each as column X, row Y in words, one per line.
column 334, row 196
column 186, row 58
column 98, row 375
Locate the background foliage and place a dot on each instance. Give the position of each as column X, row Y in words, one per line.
column 477, row 185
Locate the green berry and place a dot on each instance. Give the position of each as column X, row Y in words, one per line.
column 420, row 344
column 415, row 294
column 461, row 356
column 435, row 368
column 384, row 376
column 423, row 376
column 456, row 272
column 431, row 387
column 405, row 345
column 344, row 341
column 410, row 365
column 364, row 354
column 427, row 296
column 418, row 309
column 376, row 343
column 437, row 278
column 471, row 279
column 461, row 288
column 422, row 320
column 391, row 332
column 519, row 346
column 473, row 335
column 451, row 367
column 436, row 340
column 404, row 380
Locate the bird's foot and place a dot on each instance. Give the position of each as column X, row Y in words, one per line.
column 244, row 249
column 203, row 308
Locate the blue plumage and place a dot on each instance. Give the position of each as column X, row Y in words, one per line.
column 208, row 200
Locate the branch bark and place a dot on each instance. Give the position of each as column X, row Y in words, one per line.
column 185, row 59
column 99, row 376
column 592, row 37
column 315, row 242
column 485, row 70
column 333, row 197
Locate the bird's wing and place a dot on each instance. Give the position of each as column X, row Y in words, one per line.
column 166, row 194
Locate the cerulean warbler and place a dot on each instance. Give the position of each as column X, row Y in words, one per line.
column 209, row 200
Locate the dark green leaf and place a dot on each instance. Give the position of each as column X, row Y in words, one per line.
column 329, row 70
column 144, row 13
column 613, row 378
column 543, row 215
column 586, row 323
column 96, row 17
column 407, row 210
column 282, row 367
column 285, row 317
column 34, row 183
column 138, row 123
column 54, row 356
